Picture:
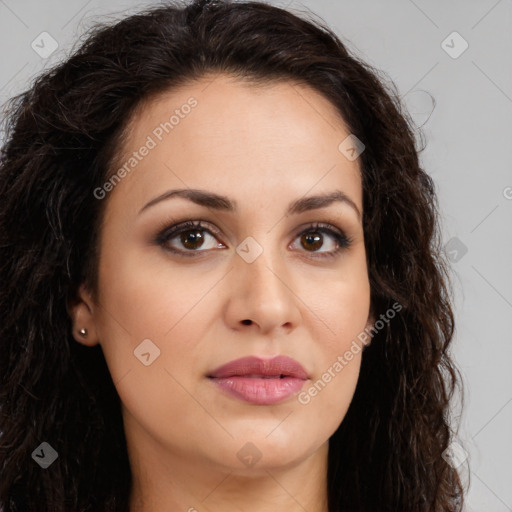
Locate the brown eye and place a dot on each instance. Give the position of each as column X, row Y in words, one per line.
column 188, row 238
column 313, row 239
column 192, row 239
column 314, row 242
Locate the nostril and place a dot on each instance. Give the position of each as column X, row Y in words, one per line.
column 247, row 322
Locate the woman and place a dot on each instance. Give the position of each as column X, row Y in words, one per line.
column 222, row 283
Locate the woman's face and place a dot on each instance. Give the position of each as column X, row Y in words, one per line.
column 257, row 278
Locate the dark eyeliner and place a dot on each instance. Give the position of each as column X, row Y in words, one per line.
column 344, row 241
column 167, row 233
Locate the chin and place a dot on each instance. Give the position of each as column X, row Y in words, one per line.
column 258, row 454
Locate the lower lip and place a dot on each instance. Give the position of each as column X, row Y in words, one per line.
column 260, row 391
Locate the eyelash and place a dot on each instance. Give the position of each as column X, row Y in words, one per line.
column 171, row 232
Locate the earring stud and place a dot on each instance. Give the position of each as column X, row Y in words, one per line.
column 83, row 332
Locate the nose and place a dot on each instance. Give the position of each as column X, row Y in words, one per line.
column 261, row 294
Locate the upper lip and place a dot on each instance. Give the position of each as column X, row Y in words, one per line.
column 275, row 367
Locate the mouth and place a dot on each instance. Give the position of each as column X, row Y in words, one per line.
column 260, row 381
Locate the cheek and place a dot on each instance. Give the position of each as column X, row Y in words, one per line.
column 145, row 297
column 137, row 304
column 341, row 316
column 328, row 398
column 340, row 310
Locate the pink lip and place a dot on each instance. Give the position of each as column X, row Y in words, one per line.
column 261, row 381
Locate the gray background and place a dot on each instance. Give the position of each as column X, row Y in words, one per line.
column 469, row 135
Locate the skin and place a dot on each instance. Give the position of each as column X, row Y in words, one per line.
column 264, row 147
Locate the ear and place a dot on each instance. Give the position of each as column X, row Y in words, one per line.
column 369, row 324
column 371, row 320
column 81, row 311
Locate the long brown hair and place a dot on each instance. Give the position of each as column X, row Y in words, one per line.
column 62, row 135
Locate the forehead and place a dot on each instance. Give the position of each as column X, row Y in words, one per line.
column 221, row 133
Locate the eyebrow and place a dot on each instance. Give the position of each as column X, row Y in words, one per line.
column 223, row 203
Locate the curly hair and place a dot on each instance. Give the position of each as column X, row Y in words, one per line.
column 62, row 135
